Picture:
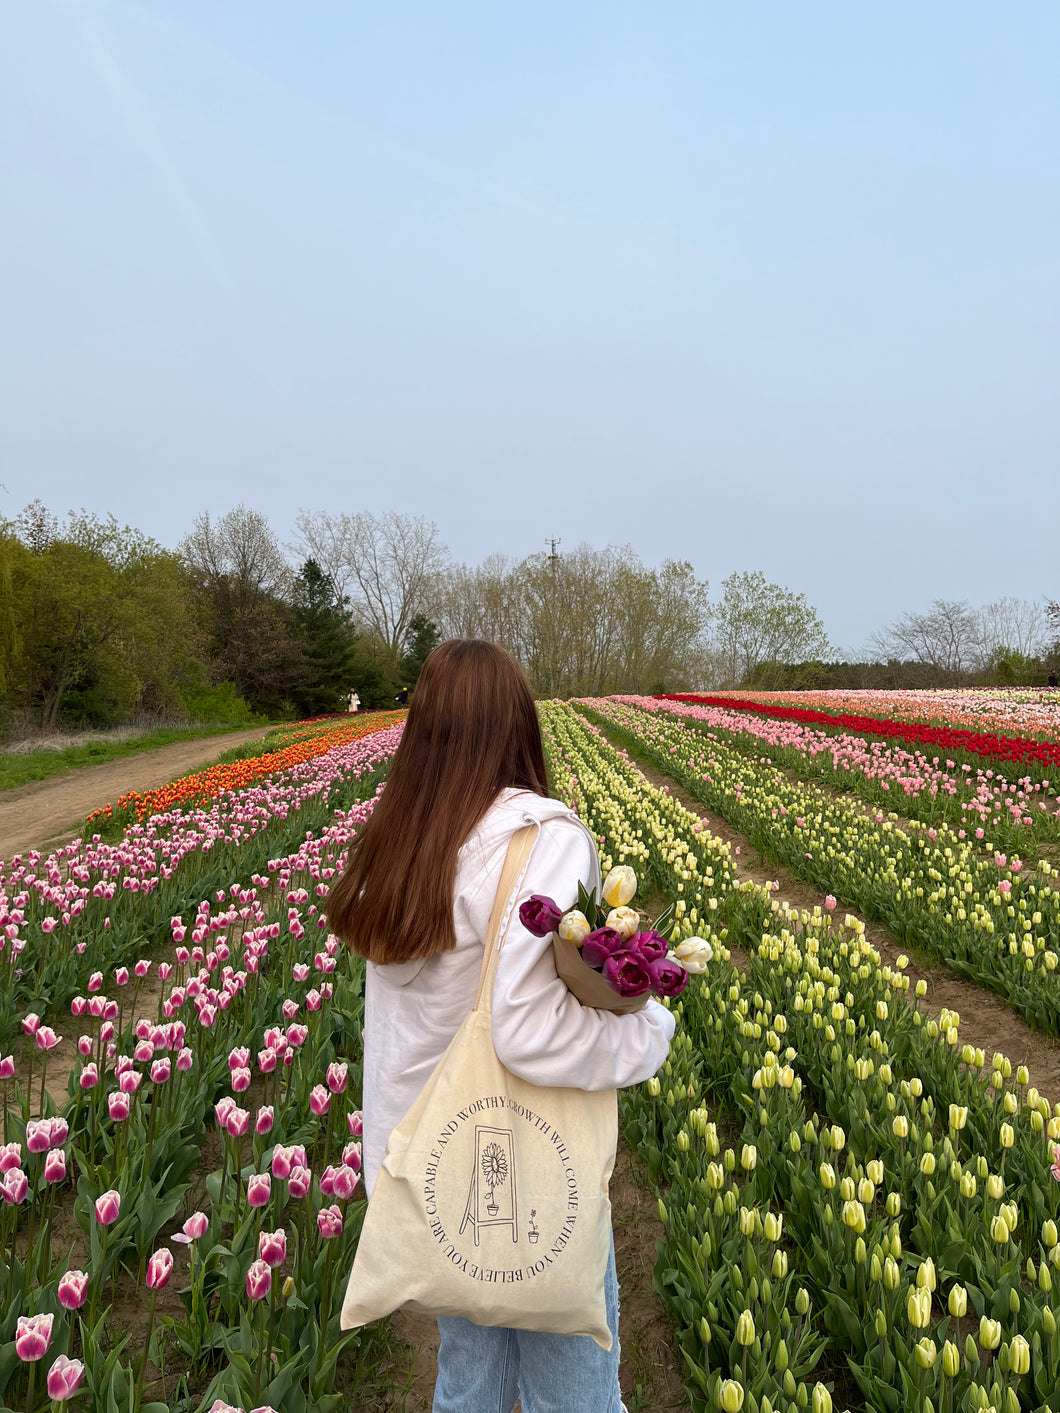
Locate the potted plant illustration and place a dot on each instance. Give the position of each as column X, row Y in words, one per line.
column 495, row 1172
column 533, row 1233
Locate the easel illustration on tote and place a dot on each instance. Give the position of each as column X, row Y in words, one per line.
column 493, row 1177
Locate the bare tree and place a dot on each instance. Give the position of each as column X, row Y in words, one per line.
column 945, row 638
column 384, row 564
column 239, row 568
column 1010, row 625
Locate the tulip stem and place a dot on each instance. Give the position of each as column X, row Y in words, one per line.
column 272, row 1323
column 261, row 1351
column 146, row 1354
column 32, row 1388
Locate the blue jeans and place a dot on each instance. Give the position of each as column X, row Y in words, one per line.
column 485, row 1369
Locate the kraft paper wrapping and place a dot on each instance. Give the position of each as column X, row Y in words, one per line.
column 589, row 986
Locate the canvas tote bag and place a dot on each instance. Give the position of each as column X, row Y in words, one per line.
column 491, row 1201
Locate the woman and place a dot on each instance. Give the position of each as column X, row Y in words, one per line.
column 415, row 900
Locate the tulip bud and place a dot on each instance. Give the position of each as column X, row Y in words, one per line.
column 745, row 1329
column 926, row 1353
column 1019, row 1354
column 730, row 1396
column 999, row 1231
column 989, row 1333
column 951, row 1359
column 958, row 1301
column 821, row 1401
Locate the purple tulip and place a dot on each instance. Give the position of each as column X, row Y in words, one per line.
column 299, row 1183
column 129, row 1081
column 64, row 1378
column 259, row 1280
column 33, row 1336
column 539, row 915
column 319, row 1100
column 159, row 1269
column 73, row 1288
column 272, row 1247
column 282, row 1162
column 329, row 1222
column 240, row 1080
column 267, row 1060
column 222, row 1109
column 14, row 1187
column 58, row 1131
column 118, row 1105
column 7, row 1067
column 38, row 1135
column 161, row 1070
column 648, row 946
column 31, row 1023
column 336, row 1077
column 10, row 1157
column 351, row 1156
column 238, row 1122
column 195, row 1226
column 667, row 978
column 599, row 945
column 259, row 1189
column 263, row 1122
column 107, row 1207
column 47, row 1038
column 355, row 1123
column 55, row 1165
column 239, row 1057
column 625, row 975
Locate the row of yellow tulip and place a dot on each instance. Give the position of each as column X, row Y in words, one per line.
column 883, row 1184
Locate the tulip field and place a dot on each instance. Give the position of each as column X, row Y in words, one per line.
column 859, row 1207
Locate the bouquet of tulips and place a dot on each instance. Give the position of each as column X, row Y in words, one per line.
column 611, row 955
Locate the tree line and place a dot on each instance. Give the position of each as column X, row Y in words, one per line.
column 100, row 624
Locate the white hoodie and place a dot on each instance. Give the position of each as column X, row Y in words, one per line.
column 541, row 1033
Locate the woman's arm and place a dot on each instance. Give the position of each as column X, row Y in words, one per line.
column 541, row 1032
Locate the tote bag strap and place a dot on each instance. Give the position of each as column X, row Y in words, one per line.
column 518, row 856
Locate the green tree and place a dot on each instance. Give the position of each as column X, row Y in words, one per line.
column 759, row 623
column 421, row 640
column 105, row 619
column 328, row 643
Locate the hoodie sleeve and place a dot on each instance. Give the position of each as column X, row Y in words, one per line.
column 541, row 1032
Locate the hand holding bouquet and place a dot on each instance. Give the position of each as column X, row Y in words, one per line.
column 609, row 954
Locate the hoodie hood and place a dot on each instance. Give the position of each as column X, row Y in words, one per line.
column 510, row 811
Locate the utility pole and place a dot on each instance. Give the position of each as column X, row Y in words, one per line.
column 553, row 557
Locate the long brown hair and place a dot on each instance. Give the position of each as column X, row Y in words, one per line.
column 472, row 729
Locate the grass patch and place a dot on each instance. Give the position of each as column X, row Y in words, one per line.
column 24, row 767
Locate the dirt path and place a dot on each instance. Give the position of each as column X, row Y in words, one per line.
column 986, row 1020
column 49, row 812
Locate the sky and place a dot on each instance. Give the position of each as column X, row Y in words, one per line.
column 757, row 285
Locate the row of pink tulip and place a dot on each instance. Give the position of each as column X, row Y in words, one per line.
column 237, row 1001
column 976, row 797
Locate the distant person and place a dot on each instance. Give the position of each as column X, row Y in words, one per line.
column 402, row 697
column 354, row 703
column 1052, row 679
